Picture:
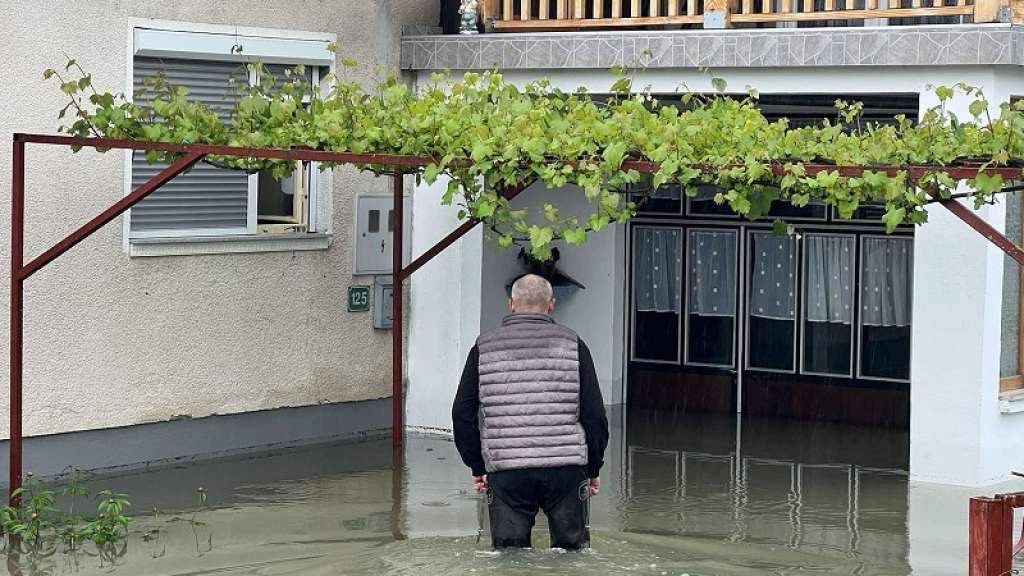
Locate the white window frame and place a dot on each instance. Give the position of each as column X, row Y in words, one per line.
column 803, row 309
column 748, row 281
column 188, row 40
column 860, row 319
column 736, row 319
column 633, row 355
column 304, row 191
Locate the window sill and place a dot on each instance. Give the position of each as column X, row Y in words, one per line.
column 1011, row 402
column 197, row 245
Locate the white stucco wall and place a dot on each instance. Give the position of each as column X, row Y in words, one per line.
column 113, row 341
column 958, row 435
column 594, row 313
column 463, row 291
column 444, row 305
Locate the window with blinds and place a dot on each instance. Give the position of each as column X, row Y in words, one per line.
column 211, row 201
column 207, row 200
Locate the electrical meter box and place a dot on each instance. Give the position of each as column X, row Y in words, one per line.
column 382, row 309
column 375, row 225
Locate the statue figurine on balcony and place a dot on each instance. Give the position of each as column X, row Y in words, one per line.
column 468, row 11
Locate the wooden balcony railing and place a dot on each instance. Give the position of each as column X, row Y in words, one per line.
column 803, row 10
column 576, row 14
column 546, row 15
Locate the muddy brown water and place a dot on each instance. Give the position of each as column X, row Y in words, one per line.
column 682, row 494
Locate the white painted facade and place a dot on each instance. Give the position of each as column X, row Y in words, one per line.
column 958, row 435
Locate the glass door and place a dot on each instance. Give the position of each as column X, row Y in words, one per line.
column 685, row 297
column 827, row 318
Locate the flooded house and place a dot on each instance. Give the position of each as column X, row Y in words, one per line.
column 905, row 345
column 828, row 398
column 690, row 308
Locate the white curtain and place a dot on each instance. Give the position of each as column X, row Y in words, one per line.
column 773, row 285
column 658, row 266
column 887, row 266
column 712, row 273
column 829, row 269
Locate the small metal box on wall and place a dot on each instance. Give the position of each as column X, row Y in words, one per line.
column 382, row 309
column 375, row 226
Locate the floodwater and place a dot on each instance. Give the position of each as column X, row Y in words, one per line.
column 695, row 495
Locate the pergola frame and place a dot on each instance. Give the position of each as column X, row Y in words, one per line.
column 399, row 166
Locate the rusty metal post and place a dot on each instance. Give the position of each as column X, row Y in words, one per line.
column 397, row 371
column 17, row 312
column 164, row 176
column 20, row 271
column 990, row 532
column 397, row 491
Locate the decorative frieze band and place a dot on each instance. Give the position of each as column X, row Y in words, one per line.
column 983, row 44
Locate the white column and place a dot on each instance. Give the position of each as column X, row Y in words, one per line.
column 955, row 357
column 444, row 310
column 957, row 434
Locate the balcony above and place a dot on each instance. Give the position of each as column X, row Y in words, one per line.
column 573, row 15
column 933, row 45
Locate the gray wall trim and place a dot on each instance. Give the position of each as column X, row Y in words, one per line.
column 187, row 440
column 419, row 29
column 955, row 44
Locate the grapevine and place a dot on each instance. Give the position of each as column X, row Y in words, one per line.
column 516, row 135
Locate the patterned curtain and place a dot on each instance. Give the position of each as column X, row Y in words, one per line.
column 658, row 265
column 712, row 273
column 829, row 278
column 773, row 284
column 887, row 267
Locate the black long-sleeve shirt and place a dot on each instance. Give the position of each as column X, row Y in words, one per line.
column 466, row 410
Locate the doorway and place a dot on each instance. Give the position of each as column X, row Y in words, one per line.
column 727, row 316
column 732, row 317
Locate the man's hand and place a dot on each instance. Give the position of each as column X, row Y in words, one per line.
column 480, row 483
column 595, row 486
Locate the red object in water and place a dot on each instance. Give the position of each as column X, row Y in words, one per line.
column 991, row 534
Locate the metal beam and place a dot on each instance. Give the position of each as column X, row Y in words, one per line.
column 194, row 152
column 967, row 170
column 462, row 230
column 985, row 229
column 293, row 154
column 180, row 165
column 20, row 272
column 17, row 314
column 397, row 368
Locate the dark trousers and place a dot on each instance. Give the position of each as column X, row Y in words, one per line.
column 515, row 496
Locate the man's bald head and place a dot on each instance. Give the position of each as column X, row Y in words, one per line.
column 532, row 293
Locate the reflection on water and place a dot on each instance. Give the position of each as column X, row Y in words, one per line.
column 835, row 490
column 697, row 495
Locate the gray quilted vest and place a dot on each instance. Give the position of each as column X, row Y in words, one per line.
column 530, row 395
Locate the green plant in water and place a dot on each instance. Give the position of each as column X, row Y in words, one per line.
column 111, row 523
column 71, row 531
column 195, row 524
column 37, row 524
column 27, row 526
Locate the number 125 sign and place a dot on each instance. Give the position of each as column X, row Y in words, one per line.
column 358, row 298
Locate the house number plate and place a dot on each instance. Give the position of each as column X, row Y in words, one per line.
column 358, row 298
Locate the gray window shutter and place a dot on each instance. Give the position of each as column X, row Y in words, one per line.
column 206, row 200
column 284, row 73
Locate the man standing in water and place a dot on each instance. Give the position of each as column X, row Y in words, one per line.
column 529, row 421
